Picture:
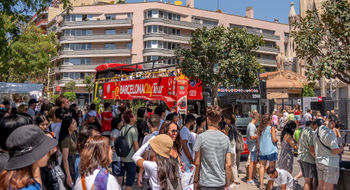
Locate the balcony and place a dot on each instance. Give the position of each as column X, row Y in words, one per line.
column 174, row 23
column 158, row 52
column 269, row 50
column 96, row 38
column 167, row 37
column 95, row 53
column 95, row 23
column 264, row 35
column 267, row 62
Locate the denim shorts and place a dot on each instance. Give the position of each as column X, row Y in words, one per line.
column 254, row 156
column 272, row 157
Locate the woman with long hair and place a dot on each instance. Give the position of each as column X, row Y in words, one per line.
column 141, row 124
column 233, row 133
column 171, row 129
column 288, row 145
column 68, row 144
column 267, row 145
column 42, row 121
column 29, row 149
column 96, row 156
column 163, row 171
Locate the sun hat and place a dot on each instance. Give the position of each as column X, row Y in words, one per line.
column 27, row 145
column 162, row 145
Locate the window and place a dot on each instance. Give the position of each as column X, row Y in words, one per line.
column 149, row 14
column 110, row 17
column 155, row 29
column 65, row 75
column 129, row 15
column 210, row 23
column 197, row 20
column 155, row 14
column 236, row 26
column 87, row 17
column 71, row 18
column 110, row 60
column 268, row 31
column 110, row 46
column 110, row 32
column 129, row 45
column 149, row 29
column 78, row 32
column 77, row 46
column 129, row 30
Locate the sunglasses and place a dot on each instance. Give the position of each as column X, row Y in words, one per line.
column 174, row 131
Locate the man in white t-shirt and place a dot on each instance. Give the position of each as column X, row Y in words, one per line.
column 187, row 140
column 282, row 178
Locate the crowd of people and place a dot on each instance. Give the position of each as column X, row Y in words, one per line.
column 58, row 147
column 315, row 139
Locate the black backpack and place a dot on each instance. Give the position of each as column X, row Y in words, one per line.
column 121, row 145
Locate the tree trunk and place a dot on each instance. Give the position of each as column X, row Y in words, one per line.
column 214, row 92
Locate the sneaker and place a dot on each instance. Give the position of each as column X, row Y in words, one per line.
column 251, row 182
column 233, row 185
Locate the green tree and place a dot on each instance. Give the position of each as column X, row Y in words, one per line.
column 71, row 96
column 222, row 57
column 89, row 81
column 70, row 86
column 308, row 91
column 14, row 15
column 323, row 41
column 30, row 56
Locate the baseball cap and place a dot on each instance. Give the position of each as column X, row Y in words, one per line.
column 26, row 145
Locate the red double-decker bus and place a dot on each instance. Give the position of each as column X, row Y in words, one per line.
column 150, row 81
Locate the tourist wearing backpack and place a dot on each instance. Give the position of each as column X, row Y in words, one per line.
column 129, row 135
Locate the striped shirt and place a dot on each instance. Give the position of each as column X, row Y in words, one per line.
column 213, row 146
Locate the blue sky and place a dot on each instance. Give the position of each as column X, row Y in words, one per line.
column 263, row 9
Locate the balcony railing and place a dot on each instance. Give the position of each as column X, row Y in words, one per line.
column 97, row 23
column 264, row 35
column 168, row 37
column 157, row 51
column 268, row 49
column 176, row 23
column 95, row 52
column 116, row 37
column 267, row 62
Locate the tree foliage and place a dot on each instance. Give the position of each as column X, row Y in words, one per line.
column 71, row 96
column 89, row 81
column 70, row 86
column 324, row 41
column 222, row 57
column 308, row 91
column 14, row 15
column 30, row 56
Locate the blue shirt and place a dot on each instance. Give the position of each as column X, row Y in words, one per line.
column 266, row 145
column 251, row 132
column 35, row 186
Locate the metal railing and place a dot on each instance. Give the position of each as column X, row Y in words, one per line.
column 96, row 37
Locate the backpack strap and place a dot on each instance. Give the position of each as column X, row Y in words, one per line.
column 132, row 144
column 319, row 139
column 83, row 184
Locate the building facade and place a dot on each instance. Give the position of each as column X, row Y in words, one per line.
column 135, row 32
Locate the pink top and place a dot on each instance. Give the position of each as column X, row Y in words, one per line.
column 275, row 119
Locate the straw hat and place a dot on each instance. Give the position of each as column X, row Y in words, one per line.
column 162, row 145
